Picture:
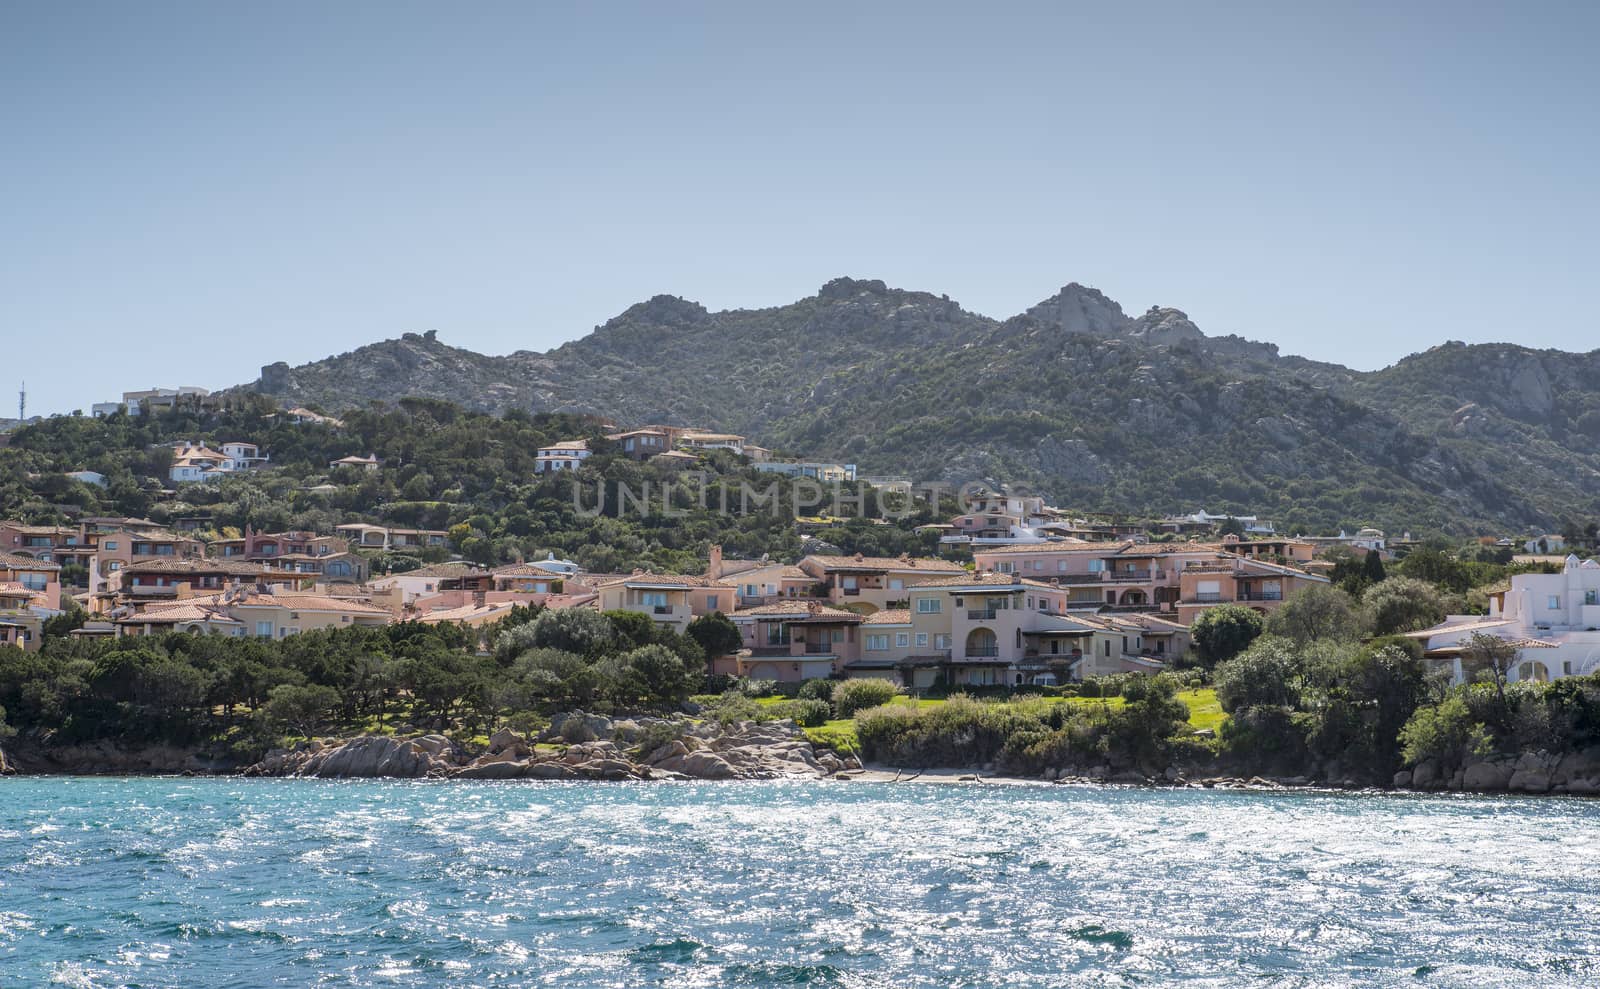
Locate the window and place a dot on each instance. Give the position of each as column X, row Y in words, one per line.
column 922, row 640
column 1554, row 604
column 264, row 629
column 838, row 635
column 941, row 640
column 1061, row 566
column 848, row 583
column 1097, row 566
column 110, row 545
column 897, row 584
column 877, row 643
column 1005, row 566
column 653, row 599
column 1591, row 597
column 34, row 581
column 902, row 639
column 711, row 602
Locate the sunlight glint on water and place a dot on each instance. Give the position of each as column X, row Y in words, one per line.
column 175, row 882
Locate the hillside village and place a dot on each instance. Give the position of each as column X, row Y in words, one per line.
column 1017, row 593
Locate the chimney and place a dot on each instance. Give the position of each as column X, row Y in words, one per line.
column 714, row 566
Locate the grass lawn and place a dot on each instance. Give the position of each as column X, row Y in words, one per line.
column 1204, row 709
column 837, row 735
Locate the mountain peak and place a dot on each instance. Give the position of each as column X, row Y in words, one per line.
column 1164, row 326
column 1081, row 309
column 849, row 288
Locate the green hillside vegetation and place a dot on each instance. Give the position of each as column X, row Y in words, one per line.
column 468, row 473
column 1073, row 399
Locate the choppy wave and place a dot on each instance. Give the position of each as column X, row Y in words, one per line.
column 243, row 883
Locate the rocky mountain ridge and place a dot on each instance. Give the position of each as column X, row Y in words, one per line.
column 1073, row 397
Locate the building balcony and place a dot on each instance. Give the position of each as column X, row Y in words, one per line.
column 982, row 616
column 982, row 652
column 1260, row 596
column 1133, row 576
column 1207, row 598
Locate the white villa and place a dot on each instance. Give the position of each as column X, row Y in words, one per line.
column 566, row 455
column 1552, row 618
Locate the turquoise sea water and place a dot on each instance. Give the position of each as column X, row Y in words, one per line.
column 242, row 883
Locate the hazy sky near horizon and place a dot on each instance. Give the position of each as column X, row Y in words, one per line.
column 191, row 190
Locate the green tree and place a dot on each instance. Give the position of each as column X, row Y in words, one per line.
column 305, row 709
column 716, row 633
column 1221, row 633
column 1372, row 567
column 576, row 630
column 1317, row 612
column 1490, row 658
column 1402, row 604
column 657, row 675
column 1267, row 673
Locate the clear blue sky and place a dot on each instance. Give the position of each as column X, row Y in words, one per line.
column 188, row 191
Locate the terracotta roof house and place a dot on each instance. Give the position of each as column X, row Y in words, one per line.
column 865, row 584
column 789, row 641
column 673, row 600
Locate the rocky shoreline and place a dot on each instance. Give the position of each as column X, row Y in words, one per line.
column 576, row 746
column 580, row 746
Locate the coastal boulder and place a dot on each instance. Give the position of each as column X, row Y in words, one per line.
column 667, row 750
column 704, row 765
column 367, row 756
column 506, row 740
column 1529, row 781
column 1486, row 776
column 580, row 727
column 1426, row 775
column 551, row 771
column 506, row 769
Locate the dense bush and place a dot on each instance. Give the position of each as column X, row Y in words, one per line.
column 851, row 696
column 806, row 713
column 817, row 690
column 1267, row 673
column 1447, row 732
